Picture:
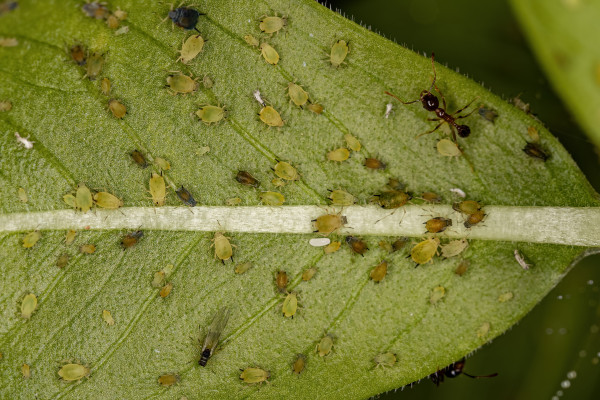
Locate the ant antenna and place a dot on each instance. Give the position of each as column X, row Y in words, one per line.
column 481, row 376
column 434, row 73
column 401, row 101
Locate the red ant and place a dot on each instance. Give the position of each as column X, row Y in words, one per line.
column 431, row 103
column 452, row 371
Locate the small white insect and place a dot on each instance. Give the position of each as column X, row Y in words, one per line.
column 521, row 260
column 319, row 242
column 28, row 144
column 458, row 192
column 259, row 98
column 122, row 30
column 388, row 110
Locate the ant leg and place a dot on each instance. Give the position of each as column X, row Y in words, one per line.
column 431, row 131
column 442, row 95
column 401, row 101
column 462, row 109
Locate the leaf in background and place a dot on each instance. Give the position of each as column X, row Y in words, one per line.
column 77, row 139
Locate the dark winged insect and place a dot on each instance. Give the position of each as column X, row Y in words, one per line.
column 212, row 336
column 186, row 197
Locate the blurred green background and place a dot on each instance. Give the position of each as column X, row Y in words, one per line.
column 560, row 338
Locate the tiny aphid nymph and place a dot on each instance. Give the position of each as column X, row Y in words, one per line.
column 329, row 223
column 77, row 54
column 341, row 198
column 73, row 372
column 290, row 305
column 28, row 305
column 254, row 375
column 385, row 360
column 212, row 336
column 83, row 198
column 379, row 272
column 179, row 83
column 186, row 197
column 166, row 290
column 272, row 198
column 245, row 178
column 131, row 239
column 95, row 62
column 357, row 245
column 117, row 108
column 332, row 247
column 468, row 207
column 437, row 224
column 454, row 248
column 107, row 200
column 269, row 53
column 315, row 107
column 105, row 86
column 448, row 148
column 223, row 249
column 270, row 116
column 339, row 155
column 391, row 199
column 211, row 114
column 352, row 142
column 31, row 239
column 325, row 345
column 437, row 293
column 373, row 163
column 339, row 51
column 139, row 158
column 191, row 48
column 534, row 150
column 108, row 318
column 299, row 364
column 309, row 273
column 281, row 280
column 474, row 219
column 297, row 95
column 158, row 190
column 87, row 249
column 62, row 260
column 251, row 40
column 168, row 379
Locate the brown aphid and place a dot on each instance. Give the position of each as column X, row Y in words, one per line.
column 62, row 260
column 299, row 364
column 379, row 272
column 70, row 236
column 462, row 267
column 117, row 108
column 316, row 108
column 400, row 243
column 329, row 223
column 95, row 62
column 437, row 224
column 166, row 290
column 168, row 379
column 131, row 239
column 87, row 249
column 332, row 247
column 431, row 197
column 112, row 21
column 385, row 246
column 139, row 158
column 391, row 199
column 26, row 371
column 105, row 86
column 281, row 280
column 467, row 207
column 357, row 245
column 535, row 151
column 77, row 54
column 309, row 273
column 474, row 219
column 373, row 163
column 245, row 178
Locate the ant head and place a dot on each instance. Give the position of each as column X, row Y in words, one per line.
column 454, row 370
column 463, row 130
column 429, row 101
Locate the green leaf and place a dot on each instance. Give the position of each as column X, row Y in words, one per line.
column 562, row 35
column 543, row 209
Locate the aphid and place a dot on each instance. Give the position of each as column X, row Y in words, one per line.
column 131, row 239
column 159, row 278
column 452, row 371
column 202, row 150
column 166, row 290
column 272, row 198
column 535, row 151
column 454, row 248
column 95, row 62
column 223, row 249
column 332, row 247
column 329, row 223
column 521, row 105
column 234, row 201
column 28, row 305
column 379, row 272
column 297, row 95
column 431, row 197
column 272, row 25
column 139, row 158
column 341, row 198
column 77, row 54
column 62, row 260
column 504, row 297
column 8, row 42
column 474, row 219
column 339, row 51
column 309, row 273
column 373, row 163
column 25, row 142
column 488, row 114
column 285, row 171
column 122, row 30
column 391, row 199
column 400, row 243
column 121, row 15
column 112, row 21
column 162, row 163
column 95, row 10
column 437, row 294
column 290, row 305
column 533, row 134
column 107, row 317
column 269, row 53
column 385, row 360
column 107, row 200
column 278, row 182
column 258, row 97
column 459, row 192
column 352, row 142
column 70, row 236
column 31, row 239
column 424, row 251
column 73, row 372
column 186, row 197
column 281, row 280
column 388, row 110
column 87, row 249
column 70, row 200
column 437, row 224
column 462, row 267
column 168, row 379
column 340, row 154
column 316, row 108
column 270, row 116
column 299, row 364
column 117, row 108
column 325, row 345
column 158, row 190
column 385, row 246
column 191, row 48
column 105, row 86
column 251, row 40
column 179, row 83
column 467, row 207
column 211, row 114
column 483, row 330
column 5, row 105
column 207, row 82
column 83, row 198
column 357, row 245
column 254, row 375
column 212, row 336
column 185, row 17
column 26, row 371
column 431, row 103
column 521, row 260
column 241, row 268
column 448, row 148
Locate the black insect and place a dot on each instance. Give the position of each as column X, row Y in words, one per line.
column 186, row 18
column 452, row 371
column 214, row 332
column 431, row 103
column 185, row 196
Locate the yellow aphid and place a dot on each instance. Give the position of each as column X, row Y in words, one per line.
column 448, row 148
column 340, row 154
column 269, row 53
column 286, row 171
column 159, row 278
column 329, row 223
column 272, row 25
column 298, row 95
column 31, row 239
column 166, row 290
column 251, row 40
column 341, row 198
column 437, row 294
column 325, row 345
column 379, row 272
column 385, row 360
column 158, row 190
column 353, row 142
column 70, row 236
column 270, row 116
column 483, row 330
column 211, row 114
column 87, row 249
column 504, row 297
column 69, row 199
column 299, row 364
column 62, row 260
column 308, row 274
column 180, row 83
column 28, row 305
column 223, row 249
column 168, row 379
column 431, row 197
column 242, row 268
column 117, row 108
column 454, row 248
column 94, row 66
column 272, row 198
column 290, row 305
column 107, row 317
column 73, row 372
column 423, row 252
column 332, row 247
column 162, row 163
column 26, row 371
column 105, row 86
column 83, row 198
column 316, row 108
column 191, row 48
column 339, row 51
column 278, row 182
column 254, row 375
column 107, row 200
column 22, row 195
column 207, row 82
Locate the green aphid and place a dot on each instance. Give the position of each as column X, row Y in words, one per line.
column 207, row 82
column 325, row 345
column 28, row 305
column 73, row 372
column 341, row 198
column 22, row 195
column 272, row 198
column 223, row 248
column 270, row 116
column 353, row 143
column 286, row 171
column 269, row 53
column 158, row 190
column 298, row 95
column 454, row 248
column 392, row 199
column 385, row 360
column 272, row 25
column 299, row 364
column 31, row 239
column 468, row 207
column 191, row 48
column 95, row 62
column 180, row 83
column 290, row 305
column 70, row 236
column 211, row 114
column 254, row 375
column 448, row 148
column 107, row 200
column 437, row 294
column 251, row 40
column 83, row 198
column 339, row 51
column 316, row 108
column 242, row 268
column 62, row 260
column 168, row 379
